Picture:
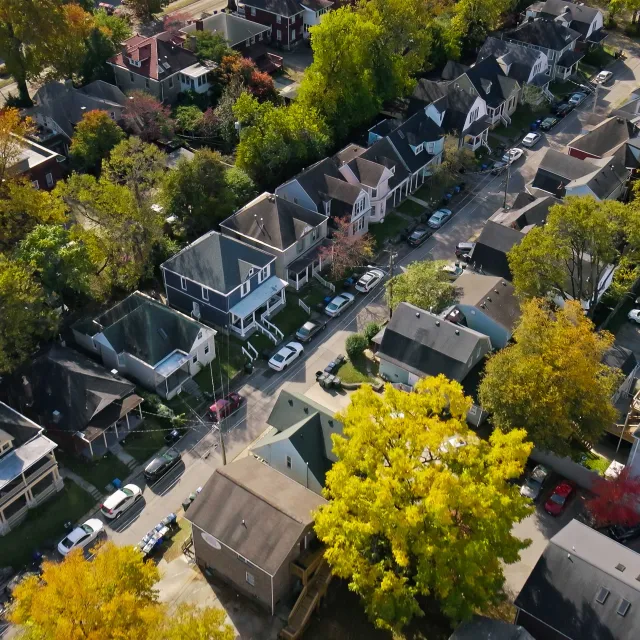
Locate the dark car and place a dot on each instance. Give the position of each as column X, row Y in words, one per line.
column 225, row 406
column 548, row 123
column 419, row 235
column 161, row 464
column 564, row 109
column 623, row 534
column 498, row 167
column 309, row 329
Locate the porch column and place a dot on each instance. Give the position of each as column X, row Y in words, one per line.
column 282, row 295
column 104, row 437
column 140, row 410
column 297, row 285
column 115, row 426
column 126, row 417
column 241, row 326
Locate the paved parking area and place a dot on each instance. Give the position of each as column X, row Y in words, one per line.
column 628, row 335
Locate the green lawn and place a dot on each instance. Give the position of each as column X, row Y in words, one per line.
column 148, row 439
column 589, row 459
column 520, row 121
column 44, row 525
column 228, row 362
column 314, row 293
column 411, row 208
column 599, row 57
column 360, row 370
column 393, row 224
column 291, row 318
column 99, row 472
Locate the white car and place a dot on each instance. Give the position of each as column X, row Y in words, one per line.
column 369, row 280
column 577, row 98
column 117, row 503
column 603, row 77
column 634, row 315
column 512, row 155
column 453, row 270
column 281, row 360
column 531, row 139
column 339, row 304
column 81, row 536
column 439, row 218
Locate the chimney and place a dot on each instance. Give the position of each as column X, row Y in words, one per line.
column 199, row 25
column 437, row 323
column 68, row 83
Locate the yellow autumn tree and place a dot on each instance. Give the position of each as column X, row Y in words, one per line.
column 419, row 505
column 12, row 129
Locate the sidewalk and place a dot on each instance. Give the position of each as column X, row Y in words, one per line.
column 81, row 482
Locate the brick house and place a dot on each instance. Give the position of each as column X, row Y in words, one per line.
column 39, row 165
column 285, row 17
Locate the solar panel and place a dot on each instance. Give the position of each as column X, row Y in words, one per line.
column 166, row 65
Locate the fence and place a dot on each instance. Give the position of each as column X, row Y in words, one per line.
column 326, row 283
column 304, row 306
column 566, row 467
column 251, row 353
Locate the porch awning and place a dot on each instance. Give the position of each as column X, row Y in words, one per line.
column 597, row 36
column 569, row 58
column 301, row 263
column 540, row 80
column 110, row 415
column 269, row 288
column 477, row 127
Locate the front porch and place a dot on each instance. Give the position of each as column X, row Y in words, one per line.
column 302, row 269
column 171, row 373
column 567, row 65
column 474, row 142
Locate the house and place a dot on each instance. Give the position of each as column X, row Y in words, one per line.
column 486, row 304
column 322, row 188
column 59, row 106
column 28, row 468
column 555, row 40
column 84, row 408
column 587, row 21
column 453, row 69
column 526, row 211
column 632, row 154
column 563, row 175
column 301, row 448
column 583, row 586
column 285, row 17
column 239, row 32
column 417, row 343
column 492, row 246
column 483, row 628
column 225, row 282
column 296, row 236
column 158, row 347
column 313, row 10
column 159, row 65
column 37, row 164
column 464, row 112
column 603, row 140
column 251, row 524
column 527, row 66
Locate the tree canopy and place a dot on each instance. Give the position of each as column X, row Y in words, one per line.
column 348, row 249
column 616, row 501
column 12, row 128
column 419, row 505
column 551, row 381
column 147, row 118
column 94, row 137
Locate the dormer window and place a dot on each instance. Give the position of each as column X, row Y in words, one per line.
column 418, row 149
column 393, row 170
column 134, row 63
column 430, row 147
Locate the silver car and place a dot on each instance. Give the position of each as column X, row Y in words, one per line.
column 339, row 304
column 439, row 218
column 533, row 484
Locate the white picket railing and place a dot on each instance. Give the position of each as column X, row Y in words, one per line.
column 266, row 332
column 304, row 306
column 272, row 327
column 326, row 283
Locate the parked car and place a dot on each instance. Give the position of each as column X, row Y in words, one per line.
column 453, row 270
column 512, row 155
column 369, row 280
column 557, row 502
column 225, row 406
column 577, row 98
column 603, row 77
column 339, row 304
column 498, row 167
column 548, row 123
column 117, row 503
column 634, row 315
column 285, row 356
column 464, row 249
column 161, row 464
column 531, row 139
column 439, row 218
column 419, row 235
column 623, row 534
column 81, row 536
column 309, row 329
column 109, row 8
column 533, row 484
column 564, row 109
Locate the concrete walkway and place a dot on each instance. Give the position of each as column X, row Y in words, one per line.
column 81, row 482
column 418, row 201
column 124, row 457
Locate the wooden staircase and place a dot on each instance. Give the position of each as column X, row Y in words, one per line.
column 307, row 603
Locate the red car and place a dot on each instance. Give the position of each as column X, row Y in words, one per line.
column 558, row 499
column 224, row 407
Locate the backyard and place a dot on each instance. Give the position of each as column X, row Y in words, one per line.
column 148, row 439
column 225, row 366
column 361, row 369
column 99, row 473
column 44, row 527
column 392, row 225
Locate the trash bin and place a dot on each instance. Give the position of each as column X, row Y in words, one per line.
column 248, row 367
column 337, row 383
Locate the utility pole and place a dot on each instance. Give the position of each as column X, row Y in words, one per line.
column 213, row 388
column 390, row 293
column 506, row 184
column 595, row 98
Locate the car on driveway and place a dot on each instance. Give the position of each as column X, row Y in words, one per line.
column 81, row 536
column 548, row 123
column 161, row 464
column 531, row 139
column 339, row 304
column 309, row 329
column 117, row 503
column 225, row 406
column 603, row 77
column 564, row 109
column 285, row 356
column 453, row 270
column 621, row 533
column 419, row 235
column 577, row 98
column 464, row 249
column 634, row 315
column 512, row 155
column 557, row 502
column 533, row 484
column 369, row 280
column 439, row 218
column 498, row 167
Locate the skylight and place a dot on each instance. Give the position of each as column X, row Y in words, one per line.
column 623, row 607
column 602, row 595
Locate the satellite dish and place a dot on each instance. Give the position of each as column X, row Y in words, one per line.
column 211, row 541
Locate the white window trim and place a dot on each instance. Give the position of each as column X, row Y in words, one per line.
column 289, row 462
column 183, row 283
column 49, row 180
column 205, row 294
column 245, row 288
column 250, row 578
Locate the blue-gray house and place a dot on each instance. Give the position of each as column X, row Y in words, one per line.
column 225, row 282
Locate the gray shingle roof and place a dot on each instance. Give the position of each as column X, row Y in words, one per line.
column 494, row 296
column 279, row 7
column 481, row 628
column 384, row 153
column 458, row 102
column 235, row 29
column 19, row 427
column 492, row 246
column 569, row 58
column 490, row 81
column 418, row 129
column 605, row 138
column 543, row 33
column 578, row 12
column 218, row 262
column 367, row 172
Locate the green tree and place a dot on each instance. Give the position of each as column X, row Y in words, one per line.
column 103, row 42
column 189, row 118
column 423, row 284
column 551, row 381
column 68, row 47
column 144, row 9
column 419, row 505
column 209, row 45
column 26, row 318
column 61, row 262
column 12, row 129
column 146, row 117
column 276, row 142
column 115, row 27
column 355, row 345
column 572, row 252
column 241, row 186
column 94, row 137
column 191, row 623
column 225, row 117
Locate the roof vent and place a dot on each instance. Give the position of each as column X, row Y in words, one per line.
column 437, row 323
column 417, row 314
column 602, row 595
column 114, row 372
column 620, row 567
column 496, row 291
column 330, row 423
column 623, row 607
column 489, row 299
column 457, row 332
column 290, row 403
column 504, row 284
column 56, row 416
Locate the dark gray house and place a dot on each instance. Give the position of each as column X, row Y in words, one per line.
column 492, row 246
column 585, row 585
column 225, row 282
column 482, row 628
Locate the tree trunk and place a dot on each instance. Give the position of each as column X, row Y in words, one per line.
column 16, row 66
column 23, row 90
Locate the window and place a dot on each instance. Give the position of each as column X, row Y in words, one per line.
column 50, row 180
column 195, row 359
column 244, row 288
column 278, row 35
column 251, row 579
column 430, row 147
column 183, row 283
column 292, row 19
column 474, row 114
column 288, row 462
column 293, row 34
column 35, row 184
column 205, row 293
column 358, row 225
column 262, row 275
column 419, row 148
column 170, row 83
column 200, row 335
column 374, row 193
column 253, row 11
column 131, row 77
column 112, row 115
column 278, row 19
column 206, row 349
column 300, row 245
column 314, row 234
column 360, row 205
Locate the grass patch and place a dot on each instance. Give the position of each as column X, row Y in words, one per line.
column 228, row 362
column 43, row 527
column 291, row 318
column 359, row 370
column 174, row 546
column 587, row 70
column 411, row 208
column 99, row 472
column 589, row 459
column 599, row 57
column 520, row 122
column 393, row 225
column 314, row 294
column 148, row 439
column 261, row 343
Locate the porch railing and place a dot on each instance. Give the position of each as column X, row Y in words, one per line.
column 304, row 306
column 506, row 120
column 262, row 329
column 326, row 283
column 272, row 327
column 251, row 352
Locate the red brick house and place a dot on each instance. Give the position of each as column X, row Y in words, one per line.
column 603, row 140
column 39, row 165
column 285, row 17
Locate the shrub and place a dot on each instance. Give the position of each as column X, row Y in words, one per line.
column 370, row 331
column 355, row 345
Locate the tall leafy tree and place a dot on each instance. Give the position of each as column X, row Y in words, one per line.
column 147, row 118
column 225, row 117
column 240, row 185
column 26, row 317
column 551, row 381
column 616, row 501
column 209, row 45
column 144, row 9
column 68, row 48
column 94, row 138
column 12, row 129
column 419, row 505
column 347, row 250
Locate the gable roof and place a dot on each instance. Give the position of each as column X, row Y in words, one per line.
column 19, row 427
column 235, row 29
column 416, row 130
column 254, row 510
column 557, row 169
column 425, row 344
column 218, row 262
column 526, row 211
column 274, row 221
column 565, row 582
column 619, row 357
column 384, row 153
column 453, row 69
column 456, row 100
column 279, row 7
column 543, row 33
column 604, row 138
column 493, row 296
column 607, row 175
column 577, row 12
column 522, row 59
column 490, row 81
column 492, row 246
column 367, row 172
